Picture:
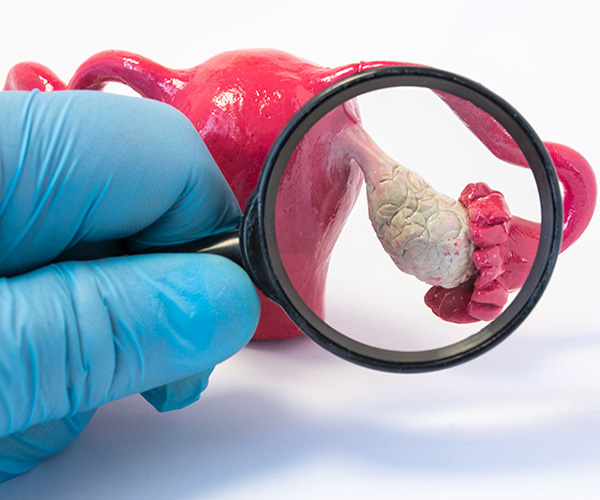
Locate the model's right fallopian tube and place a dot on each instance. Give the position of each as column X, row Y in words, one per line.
column 472, row 250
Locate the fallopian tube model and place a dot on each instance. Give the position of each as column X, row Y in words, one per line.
column 473, row 251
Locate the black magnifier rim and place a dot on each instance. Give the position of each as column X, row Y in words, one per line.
column 261, row 210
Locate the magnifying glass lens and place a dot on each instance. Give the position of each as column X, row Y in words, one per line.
column 396, row 219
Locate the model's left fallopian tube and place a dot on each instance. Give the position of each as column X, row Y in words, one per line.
column 472, row 250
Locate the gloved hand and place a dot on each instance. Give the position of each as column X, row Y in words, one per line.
column 85, row 174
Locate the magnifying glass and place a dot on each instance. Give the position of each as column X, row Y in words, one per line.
column 416, row 230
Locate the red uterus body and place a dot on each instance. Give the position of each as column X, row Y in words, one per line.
column 239, row 101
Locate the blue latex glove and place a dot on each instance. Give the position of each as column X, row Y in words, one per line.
column 81, row 172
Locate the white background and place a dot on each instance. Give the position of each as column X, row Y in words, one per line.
column 288, row 420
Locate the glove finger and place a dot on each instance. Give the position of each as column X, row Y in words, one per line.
column 76, row 335
column 83, row 167
column 22, row 451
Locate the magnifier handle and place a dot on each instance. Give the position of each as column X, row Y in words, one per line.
column 242, row 245
column 226, row 244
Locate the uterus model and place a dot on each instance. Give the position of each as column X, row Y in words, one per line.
column 472, row 251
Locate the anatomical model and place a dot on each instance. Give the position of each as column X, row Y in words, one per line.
column 472, row 250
